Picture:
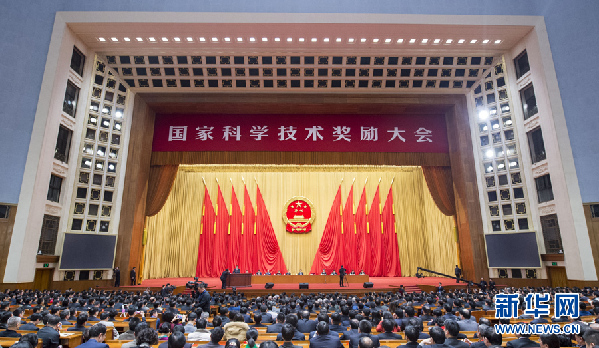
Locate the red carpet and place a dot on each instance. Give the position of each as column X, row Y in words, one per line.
column 379, row 283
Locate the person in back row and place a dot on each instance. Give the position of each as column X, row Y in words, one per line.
column 322, row 339
column 12, row 327
column 97, row 335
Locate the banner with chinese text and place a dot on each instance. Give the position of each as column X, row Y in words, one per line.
column 304, row 133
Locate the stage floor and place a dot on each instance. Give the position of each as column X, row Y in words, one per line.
column 379, row 283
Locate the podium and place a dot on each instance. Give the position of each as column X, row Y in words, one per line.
column 239, row 280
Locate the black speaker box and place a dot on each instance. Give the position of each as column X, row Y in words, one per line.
column 367, row 285
column 304, row 285
column 269, row 285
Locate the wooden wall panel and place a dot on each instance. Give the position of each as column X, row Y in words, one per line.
column 133, row 209
column 6, row 226
column 593, row 227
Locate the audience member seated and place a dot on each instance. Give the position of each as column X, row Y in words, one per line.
column 300, row 272
column 36, row 319
column 452, row 329
column 130, row 334
column 146, row 338
column 12, row 327
column 30, row 338
column 323, row 272
column 200, row 334
column 49, row 333
column 137, row 331
column 232, row 343
column 80, row 325
column 97, row 335
column 292, row 320
column 364, row 328
column 215, row 336
column 250, row 338
column 323, row 339
column 278, row 326
column 387, row 325
column 236, row 328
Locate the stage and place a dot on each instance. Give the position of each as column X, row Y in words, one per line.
column 380, row 284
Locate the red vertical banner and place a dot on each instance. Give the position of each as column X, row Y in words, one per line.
column 204, row 265
column 234, row 232
column 249, row 253
column 377, row 251
column 362, row 234
column 327, row 255
column 271, row 258
column 347, row 243
column 392, row 263
column 220, row 246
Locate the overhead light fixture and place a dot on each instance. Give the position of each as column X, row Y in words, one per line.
column 326, row 39
column 338, row 39
column 252, row 39
column 497, row 41
column 448, row 41
column 114, row 39
column 301, row 39
column 412, row 40
column 461, row 41
column 214, row 39
column 289, row 39
column 387, row 40
column 126, row 39
column 239, row 39
column 350, row 40
column 152, row 39
column 189, row 39
column 473, row 41
column 314, row 39
column 483, row 114
column 489, row 153
column 165, row 39
column 424, row 41
column 437, row 41
column 399, row 40
column 486, row 41
column 101, row 39
column 362, row 40
column 227, row 39
column 176, row 39
column 277, row 39
column 139, row 39
column 202, row 39
column 375, row 40
column 264, row 39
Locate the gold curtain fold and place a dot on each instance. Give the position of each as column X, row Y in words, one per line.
column 160, row 183
column 424, row 234
column 440, row 186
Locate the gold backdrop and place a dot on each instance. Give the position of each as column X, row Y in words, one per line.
column 425, row 236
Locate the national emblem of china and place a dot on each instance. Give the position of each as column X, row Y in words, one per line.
column 299, row 215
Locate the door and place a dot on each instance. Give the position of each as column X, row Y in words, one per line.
column 557, row 276
column 43, row 278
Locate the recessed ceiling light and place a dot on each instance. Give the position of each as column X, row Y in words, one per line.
column 314, row 39
column 362, row 40
column 473, row 41
column 351, row 39
column 227, row 39
column 301, row 39
column 176, row 39
column 264, row 39
column 497, row 41
column 326, row 39
column 152, row 39
column 189, row 39
column 252, row 39
column 437, row 41
column 165, row 39
column 387, row 40
column 101, row 39
column 461, row 41
column 139, row 39
column 338, row 39
column 289, row 39
column 424, row 40
column 127, row 39
column 202, row 39
column 214, row 39
column 375, row 40
column 399, row 40
column 448, row 41
column 483, row 114
column 486, row 41
column 239, row 39
column 277, row 39
column 114, row 39
column 412, row 40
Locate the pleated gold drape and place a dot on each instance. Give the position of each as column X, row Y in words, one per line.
column 425, row 234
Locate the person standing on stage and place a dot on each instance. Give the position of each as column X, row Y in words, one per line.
column 458, row 273
column 117, row 277
column 223, row 278
column 133, row 277
column 341, row 275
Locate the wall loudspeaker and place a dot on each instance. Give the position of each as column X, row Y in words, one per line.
column 269, row 285
column 304, row 285
column 367, row 285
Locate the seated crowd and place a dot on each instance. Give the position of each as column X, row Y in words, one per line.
column 439, row 319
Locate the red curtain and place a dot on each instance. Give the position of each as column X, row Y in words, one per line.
column 377, row 252
column 220, row 245
column 235, row 223
column 363, row 239
column 249, row 256
column 160, row 183
column 327, row 255
column 271, row 258
column 392, row 266
column 204, row 265
column 440, row 185
column 348, row 237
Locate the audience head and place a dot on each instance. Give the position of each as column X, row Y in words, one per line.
column 291, row 319
column 493, row 338
column 365, row 342
column 322, row 328
column 549, row 341
column 233, row 343
column 269, row 344
column 217, row 334
column 13, row 323
column 412, row 333
column 287, row 331
column 365, row 326
column 452, row 328
column 147, row 336
column 53, row 320
column 251, row 336
column 98, row 332
column 176, row 340
column 30, row 338
column 133, row 322
column 437, row 335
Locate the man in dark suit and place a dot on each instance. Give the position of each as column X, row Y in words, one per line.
column 336, row 324
column 291, row 319
column 12, row 327
column 388, row 334
column 521, row 342
column 305, row 325
column 215, row 336
column 458, row 273
column 452, row 329
column 36, row 318
column 49, row 333
column 412, row 333
column 258, row 321
column 491, row 284
column 483, row 284
column 323, row 339
column 341, row 275
column 278, row 326
column 117, row 277
column 203, row 300
column 437, row 339
column 133, row 276
column 223, row 278
column 364, row 331
column 287, row 332
column 236, row 270
column 353, row 330
column 97, row 335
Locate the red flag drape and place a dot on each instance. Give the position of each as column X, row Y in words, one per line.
column 204, row 265
column 271, row 258
column 347, row 244
column 363, row 239
column 220, row 245
column 392, row 263
column 234, row 258
column 327, row 255
column 377, row 251
column 249, row 254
